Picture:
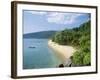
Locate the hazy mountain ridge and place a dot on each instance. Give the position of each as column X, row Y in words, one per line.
column 42, row 34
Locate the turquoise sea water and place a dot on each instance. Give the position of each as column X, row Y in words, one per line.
column 39, row 55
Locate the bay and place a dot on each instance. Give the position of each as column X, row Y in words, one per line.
column 37, row 54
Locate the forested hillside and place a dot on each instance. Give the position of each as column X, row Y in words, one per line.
column 40, row 35
column 79, row 38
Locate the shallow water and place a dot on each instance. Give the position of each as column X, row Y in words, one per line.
column 37, row 54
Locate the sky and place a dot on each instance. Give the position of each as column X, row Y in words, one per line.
column 36, row 21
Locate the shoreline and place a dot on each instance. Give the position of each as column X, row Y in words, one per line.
column 63, row 51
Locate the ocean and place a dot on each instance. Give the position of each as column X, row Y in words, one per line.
column 37, row 54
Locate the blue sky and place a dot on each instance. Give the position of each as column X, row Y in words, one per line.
column 36, row 21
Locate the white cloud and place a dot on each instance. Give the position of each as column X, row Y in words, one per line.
column 37, row 12
column 55, row 17
column 62, row 18
column 58, row 17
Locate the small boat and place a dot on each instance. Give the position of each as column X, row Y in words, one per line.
column 32, row 47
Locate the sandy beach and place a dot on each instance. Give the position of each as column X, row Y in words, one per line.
column 64, row 51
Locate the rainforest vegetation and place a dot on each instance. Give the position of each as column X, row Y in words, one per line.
column 79, row 38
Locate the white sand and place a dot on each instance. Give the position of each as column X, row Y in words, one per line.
column 65, row 51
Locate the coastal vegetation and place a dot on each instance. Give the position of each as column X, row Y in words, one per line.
column 79, row 38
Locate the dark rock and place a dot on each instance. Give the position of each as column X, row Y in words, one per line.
column 68, row 63
column 61, row 65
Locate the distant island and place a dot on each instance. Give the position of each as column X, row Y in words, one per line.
column 39, row 35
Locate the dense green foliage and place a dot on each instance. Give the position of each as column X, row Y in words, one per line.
column 78, row 37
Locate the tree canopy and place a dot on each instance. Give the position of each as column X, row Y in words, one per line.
column 80, row 38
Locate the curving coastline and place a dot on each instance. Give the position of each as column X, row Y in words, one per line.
column 64, row 51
